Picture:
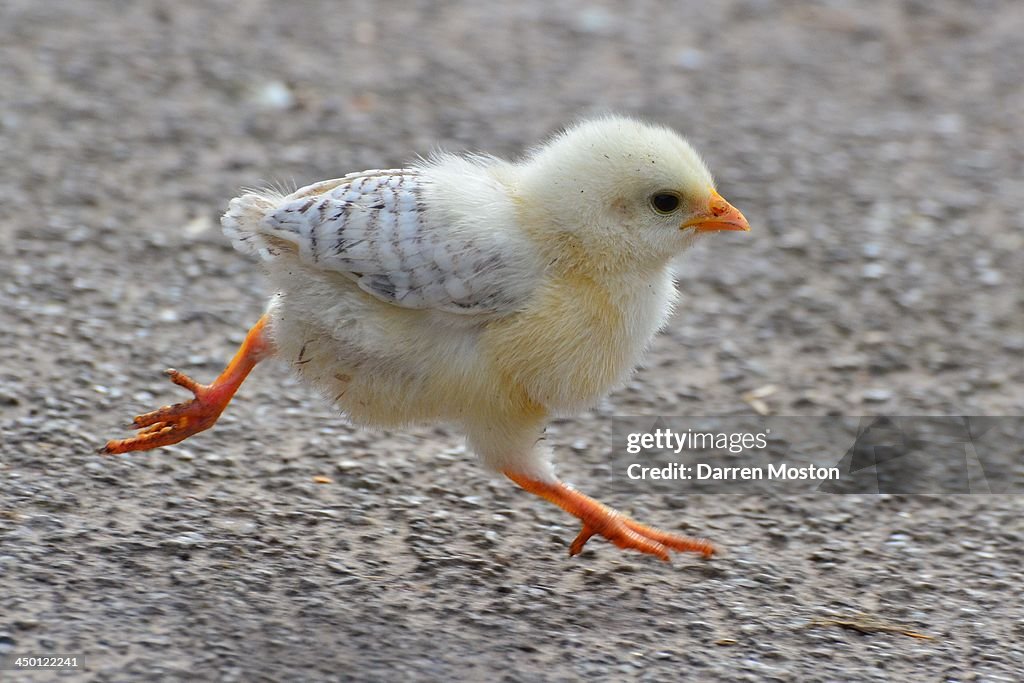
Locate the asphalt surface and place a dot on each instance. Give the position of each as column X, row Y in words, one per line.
column 875, row 149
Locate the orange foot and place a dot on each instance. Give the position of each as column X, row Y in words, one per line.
column 604, row 521
column 172, row 424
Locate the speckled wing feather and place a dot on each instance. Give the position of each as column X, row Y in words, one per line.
column 375, row 227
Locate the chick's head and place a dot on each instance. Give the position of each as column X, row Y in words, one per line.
column 627, row 193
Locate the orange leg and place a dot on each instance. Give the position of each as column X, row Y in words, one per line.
column 604, row 521
column 172, row 424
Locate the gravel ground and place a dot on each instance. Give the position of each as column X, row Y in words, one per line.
column 875, row 148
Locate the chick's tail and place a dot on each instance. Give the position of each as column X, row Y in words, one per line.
column 243, row 220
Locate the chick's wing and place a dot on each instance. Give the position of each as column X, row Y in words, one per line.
column 379, row 228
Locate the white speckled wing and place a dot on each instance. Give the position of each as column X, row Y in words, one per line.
column 379, row 228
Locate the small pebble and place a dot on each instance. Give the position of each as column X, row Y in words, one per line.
column 876, row 395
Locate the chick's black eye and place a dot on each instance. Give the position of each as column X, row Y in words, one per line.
column 665, row 202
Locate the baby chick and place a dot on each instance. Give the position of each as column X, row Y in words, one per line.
column 474, row 291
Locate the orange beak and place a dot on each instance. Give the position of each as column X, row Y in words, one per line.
column 720, row 215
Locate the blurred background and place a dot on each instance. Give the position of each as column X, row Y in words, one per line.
column 875, row 149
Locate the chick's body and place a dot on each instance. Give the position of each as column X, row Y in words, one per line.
column 498, row 375
column 486, row 293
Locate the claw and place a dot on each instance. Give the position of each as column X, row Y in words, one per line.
column 673, row 541
column 174, row 423
column 171, row 424
column 601, row 520
column 183, row 380
column 576, row 547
